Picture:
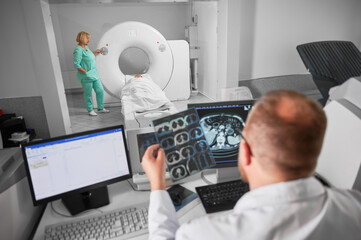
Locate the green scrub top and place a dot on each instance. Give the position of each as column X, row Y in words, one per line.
column 86, row 60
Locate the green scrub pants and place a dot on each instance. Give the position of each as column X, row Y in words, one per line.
column 99, row 91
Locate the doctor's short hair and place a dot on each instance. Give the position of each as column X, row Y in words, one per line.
column 80, row 38
column 286, row 131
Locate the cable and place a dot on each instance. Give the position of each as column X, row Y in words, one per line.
column 205, row 179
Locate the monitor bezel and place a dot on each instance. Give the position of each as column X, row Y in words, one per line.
column 82, row 189
column 221, row 103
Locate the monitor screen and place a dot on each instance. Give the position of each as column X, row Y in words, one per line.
column 222, row 123
column 76, row 163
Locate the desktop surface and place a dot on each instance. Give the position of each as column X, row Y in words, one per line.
column 121, row 195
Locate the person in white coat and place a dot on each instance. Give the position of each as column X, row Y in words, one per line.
column 278, row 154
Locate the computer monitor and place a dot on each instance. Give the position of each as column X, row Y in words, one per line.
column 77, row 168
column 222, row 123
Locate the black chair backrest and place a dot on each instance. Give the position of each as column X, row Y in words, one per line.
column 336, row 60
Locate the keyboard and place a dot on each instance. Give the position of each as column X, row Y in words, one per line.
column 221, row 196
column 117, row 224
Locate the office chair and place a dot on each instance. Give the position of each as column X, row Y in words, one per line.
column 330, row 63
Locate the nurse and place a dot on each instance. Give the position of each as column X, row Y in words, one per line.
column 87, row 74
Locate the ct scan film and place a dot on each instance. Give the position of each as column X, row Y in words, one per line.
column 144, row 141
column 185, row 146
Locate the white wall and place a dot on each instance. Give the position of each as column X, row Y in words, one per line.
column 246, row 40
column 17, row 71
column 29, row 65
column 222, row 46
column 46, row 63
column 206, row 13
column 219, row 42
column 69, row 19
column 281, row 25
column 232, row 16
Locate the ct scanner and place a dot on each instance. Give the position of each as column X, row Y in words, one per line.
column 167, row 62
column 131, row 48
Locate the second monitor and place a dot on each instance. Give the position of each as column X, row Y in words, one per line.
column 77, row 168
column 222, row 123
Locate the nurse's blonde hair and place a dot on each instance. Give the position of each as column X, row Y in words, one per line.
column 82, row 36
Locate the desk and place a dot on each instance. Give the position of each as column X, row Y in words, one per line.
column 122, row 195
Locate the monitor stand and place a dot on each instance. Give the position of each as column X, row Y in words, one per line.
column 227, row 174
column 79, row 202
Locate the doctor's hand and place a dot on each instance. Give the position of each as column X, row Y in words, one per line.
column 154, row 166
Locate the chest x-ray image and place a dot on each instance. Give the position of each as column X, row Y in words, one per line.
column 184, row 143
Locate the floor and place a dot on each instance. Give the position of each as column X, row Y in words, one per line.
column 81, row 121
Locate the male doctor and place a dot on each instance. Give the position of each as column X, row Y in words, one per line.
column 278, row 154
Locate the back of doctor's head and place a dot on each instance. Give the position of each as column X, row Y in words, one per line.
column 82, row 36
column 285, row 130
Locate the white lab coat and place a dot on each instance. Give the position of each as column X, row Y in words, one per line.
column 300, row 209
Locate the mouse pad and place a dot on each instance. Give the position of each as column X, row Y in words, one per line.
column 183, row 141
column 181, row 196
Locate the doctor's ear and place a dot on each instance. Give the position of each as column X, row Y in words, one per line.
column 245, row 153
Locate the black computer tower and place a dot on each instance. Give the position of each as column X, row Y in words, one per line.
column 8, row 125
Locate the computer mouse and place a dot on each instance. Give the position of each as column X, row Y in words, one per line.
column 176, row 199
